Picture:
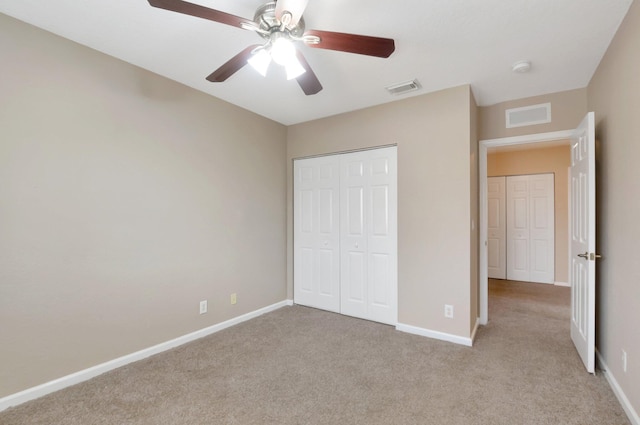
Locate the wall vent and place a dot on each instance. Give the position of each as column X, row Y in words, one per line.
column 528, row 115
column 405, row 87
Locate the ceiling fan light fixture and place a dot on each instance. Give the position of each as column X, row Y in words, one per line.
column 294, row 69
column 260, row 61
column 283, row 51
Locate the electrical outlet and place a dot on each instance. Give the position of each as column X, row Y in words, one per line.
column 448, row 311
column 203, row 306
column 624, row 361
column 234, row 298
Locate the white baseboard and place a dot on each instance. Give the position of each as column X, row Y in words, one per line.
column 634, row 418
column 86, row 374
column 435, row 334
column 568, row 285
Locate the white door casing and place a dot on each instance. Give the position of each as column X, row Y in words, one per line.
column 583, row 242
column 317, row 233
column 496, row 228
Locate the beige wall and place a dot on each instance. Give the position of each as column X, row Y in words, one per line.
column 568, row 108
column 125, row 199
column 614, row 96
column 554, row 160
column 432, row 132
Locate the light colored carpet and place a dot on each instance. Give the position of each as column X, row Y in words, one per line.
column 299, row 365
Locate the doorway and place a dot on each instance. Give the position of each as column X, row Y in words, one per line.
column 484, row 147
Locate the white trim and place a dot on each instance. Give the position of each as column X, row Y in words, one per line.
column 86, row 374
column 634, row 418
column 475, row 329
column 482, row 170
column 434, row 334
column 566, row 284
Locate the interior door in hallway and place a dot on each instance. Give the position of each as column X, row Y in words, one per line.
column 583, row 241
column 496, row 228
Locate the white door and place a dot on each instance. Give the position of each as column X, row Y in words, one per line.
column 317, row 233
column 518, row 242
column 345, row 234
column 583, row 241
column 496, row 228
column 542, row 228
column 368, row 222
column 530, row 228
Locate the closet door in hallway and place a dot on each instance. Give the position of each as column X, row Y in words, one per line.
column 496, row 228
column 530, row 228
column 345, row 233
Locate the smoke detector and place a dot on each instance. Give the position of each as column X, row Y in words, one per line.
column 521, row 67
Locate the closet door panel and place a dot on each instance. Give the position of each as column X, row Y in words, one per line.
column 353, row 240
column 376, row 175
column 542, row 228
column 518, row 228
column 496, row 228
column 317, row 233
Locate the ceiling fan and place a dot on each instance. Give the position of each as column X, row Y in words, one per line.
column 281, row 24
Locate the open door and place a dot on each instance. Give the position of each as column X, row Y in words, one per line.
column 583, row 241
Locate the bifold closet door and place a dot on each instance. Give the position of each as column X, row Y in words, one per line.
column 345, row 234
column 496, row 228
column 368, row 228
column 316, row 242
column 530, row 228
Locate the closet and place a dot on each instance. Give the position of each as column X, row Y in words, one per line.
column 520, row 228
column 345, row 233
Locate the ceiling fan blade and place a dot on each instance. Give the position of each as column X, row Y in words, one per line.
column 352, row 43
column 200, row 12
column 232, row 66
column 295, row 7
column 308, row 81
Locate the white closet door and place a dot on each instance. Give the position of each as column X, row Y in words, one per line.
column 369, row 235
column 518, row 242
column 530, row 228
column 542, row 228
column 317, row 233
column 496, row 228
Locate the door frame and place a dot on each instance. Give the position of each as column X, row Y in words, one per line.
column 484, row 146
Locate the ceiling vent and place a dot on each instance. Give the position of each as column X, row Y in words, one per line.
column 405, row 87
column 528, row 115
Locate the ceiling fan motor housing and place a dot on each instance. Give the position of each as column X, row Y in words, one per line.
column 265, row 19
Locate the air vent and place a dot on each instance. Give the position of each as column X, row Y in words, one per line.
column 403, row 88
column 528, row 115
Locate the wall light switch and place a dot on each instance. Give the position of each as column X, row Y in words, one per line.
column 203, row 306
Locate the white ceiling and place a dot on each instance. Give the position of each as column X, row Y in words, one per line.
column 442, row 43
